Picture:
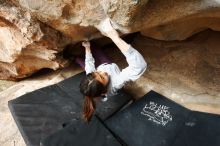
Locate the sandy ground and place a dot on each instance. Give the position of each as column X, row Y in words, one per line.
column 187, row 72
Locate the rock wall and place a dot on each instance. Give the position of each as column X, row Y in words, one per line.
column 164, row 20
column 36, row 30
column 27, row 45
column 77, row 18
column 178, row 20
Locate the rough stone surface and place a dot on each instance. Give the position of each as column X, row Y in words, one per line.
column 178, row 20
column 164, row 20
column 77, row 18
column 26, row 45
column 186, row 72
column 30, row 40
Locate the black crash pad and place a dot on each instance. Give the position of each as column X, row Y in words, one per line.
column 41, row 113
column 157, row 121
column 79, row 133
column 199, row 129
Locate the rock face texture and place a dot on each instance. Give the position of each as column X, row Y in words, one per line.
column 178, row 20
column 164, row 20
column 26, row 45
column 76, row 18
column 34, row 34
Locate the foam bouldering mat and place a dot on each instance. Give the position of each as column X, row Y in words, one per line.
column 79, row 133
column 41, row 113
column 104, row 109
column 199, row 129
column 155, row 120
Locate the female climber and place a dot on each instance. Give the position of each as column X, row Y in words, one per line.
column 107, row 78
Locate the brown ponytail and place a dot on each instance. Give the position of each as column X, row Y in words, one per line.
column 91, row 88
column 88, row 108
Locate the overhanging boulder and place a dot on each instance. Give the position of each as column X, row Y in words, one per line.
column 27, row 45
column 164, row 20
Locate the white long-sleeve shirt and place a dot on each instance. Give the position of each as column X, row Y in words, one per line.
column 117, row 78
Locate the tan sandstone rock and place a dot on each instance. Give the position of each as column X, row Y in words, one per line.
column 164, row 20
column 178, row 20
column 77, row 18
column 26, row 45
